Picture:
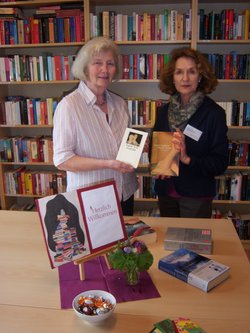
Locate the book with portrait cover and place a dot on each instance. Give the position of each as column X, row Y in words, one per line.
column 194, row 269
column 131, row 147
column 164, row 157
column 195, row 239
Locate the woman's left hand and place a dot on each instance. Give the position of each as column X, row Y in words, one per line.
column 180, row 145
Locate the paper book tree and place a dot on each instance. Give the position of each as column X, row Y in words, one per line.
column 81, row 224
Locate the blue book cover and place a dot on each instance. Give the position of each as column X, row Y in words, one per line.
column 194, row 269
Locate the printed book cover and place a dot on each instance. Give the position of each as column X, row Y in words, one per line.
column 164, row 326
column 131, row 147
column 185, row 325
column 195, row 239
column 79, row 223
column 164, row 156
column 194, row 269
column 138, row 229
column 178, row 325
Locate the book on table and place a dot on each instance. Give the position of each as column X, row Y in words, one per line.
column 178, row 325
column 194, row 269
column 137, row 228
column 164, row 156
column 195, row 239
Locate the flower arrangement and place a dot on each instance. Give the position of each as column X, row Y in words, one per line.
column 131, row 256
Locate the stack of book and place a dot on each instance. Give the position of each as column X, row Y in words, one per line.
column 176, row 326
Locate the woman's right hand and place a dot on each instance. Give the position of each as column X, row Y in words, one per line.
column 121, row 166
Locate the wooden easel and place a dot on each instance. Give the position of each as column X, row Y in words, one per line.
column 82, row 260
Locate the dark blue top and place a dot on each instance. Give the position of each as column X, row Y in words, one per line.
column 209, row 155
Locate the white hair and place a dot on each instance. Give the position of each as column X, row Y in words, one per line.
column 94, row 46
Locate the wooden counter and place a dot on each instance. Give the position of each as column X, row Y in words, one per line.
column 29, row 288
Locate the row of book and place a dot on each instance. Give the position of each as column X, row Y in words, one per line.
column 149, row 66
column 143, row 66
column 235, row 186
column 53, row 25
column 23, row 206
column 22, row 149
column 50, row 24
column 22, row 181
column 144, row 111
column 39, row 149
column 230, row 66
column 20, row 110
column 225, row 25
column 169, row 25
column 48, row 67
column 45, row 67
column 146, row 187
column 241, row 223
column 154, row 212
column 239, row 153
column 41, row 30
column 237, row 113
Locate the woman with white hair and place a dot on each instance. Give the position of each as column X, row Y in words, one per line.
column 89, row 124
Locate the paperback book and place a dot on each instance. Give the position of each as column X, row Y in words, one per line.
column 164, row 156
column 138, row 229
column 195, row 239
column 178, row 325
column 131, row 147
column 194, row 269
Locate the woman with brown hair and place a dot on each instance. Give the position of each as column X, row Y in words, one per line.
column 200, row 135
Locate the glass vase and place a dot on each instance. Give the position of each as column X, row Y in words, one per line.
column 132, row 276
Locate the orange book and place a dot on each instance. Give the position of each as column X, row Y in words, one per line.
column 179, row 32
column 66, row 27
column 105, row 24
column 246, row 32
column 42, row 113
column 51, row 30
column 164, row 157
column 145, row 26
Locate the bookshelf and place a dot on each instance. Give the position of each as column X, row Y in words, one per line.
column 135, row 87
column 40, row 93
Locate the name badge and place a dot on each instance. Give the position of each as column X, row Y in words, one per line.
column 192, row 132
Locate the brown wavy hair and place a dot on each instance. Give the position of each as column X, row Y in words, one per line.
column 208, row 80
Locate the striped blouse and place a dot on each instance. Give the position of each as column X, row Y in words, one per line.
column 81, row 128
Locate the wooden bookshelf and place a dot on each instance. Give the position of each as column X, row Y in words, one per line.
column 236, row 88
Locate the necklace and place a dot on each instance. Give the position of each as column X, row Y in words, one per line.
column 104, row 101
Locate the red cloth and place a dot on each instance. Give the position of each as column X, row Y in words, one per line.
column 98, row 276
